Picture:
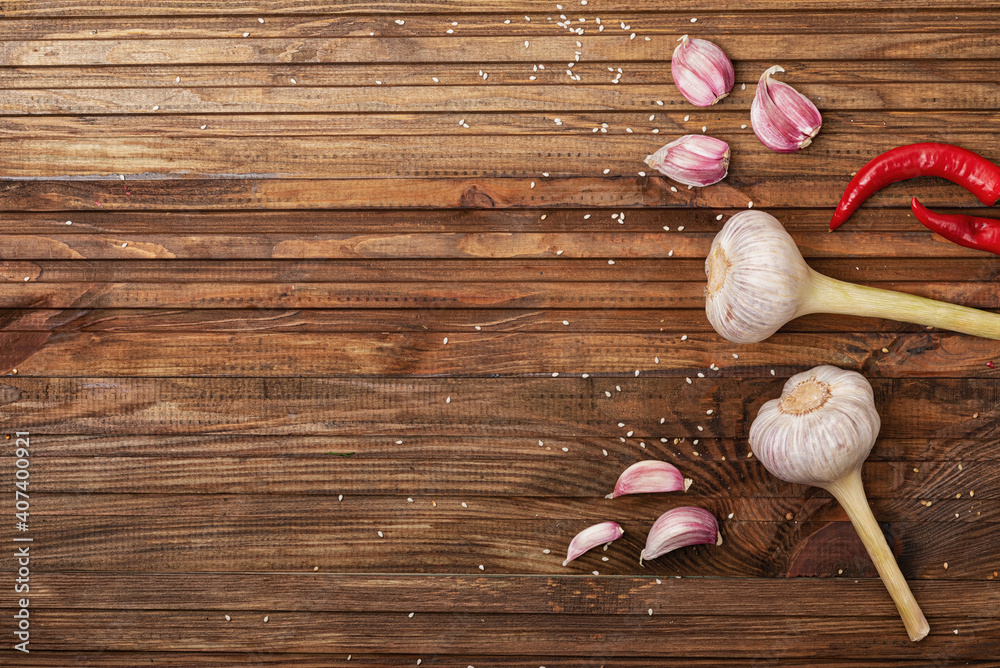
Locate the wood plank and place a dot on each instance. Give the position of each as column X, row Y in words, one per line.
column 925, row 125
column 563, row 96
column 668, row 249
column 557, row 46
column 458, row 192
column 676, row 322
column 106, row 659
column 436, row 294
column 530, row 407
column 169, row 354
column 967, row 449
column 501, row 547
column 590, row 475
column 130, row 8
column 414, row 157
column 404, row 269
column 524, row 634
column 811, row 506
column 329, row 592
column 710, row 22
column 870, row 218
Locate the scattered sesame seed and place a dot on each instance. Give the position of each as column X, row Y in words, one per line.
column 203, row 127
column 435, row 79
column 689, row 381
column 380, row 535
column 565, row 449
column 656, row 360
column 772, row 372
column 450, row 31
column 659, row 103
column 673, row 189
column 704, row 128
column 27, row 278
column 555, row 373
column 743, row 87
column 735, row 356
column 596, row 572
column 630, row 432
column 527, row 44
column 628, row 130
column 694, row 20
column 650, row 612
column 546, row 551
column 680, row 229
column 479, row 327
column 607, row 394
column 662, row 420
column 532, row 184
column 631, row 37
column 605, row 452
column 655, row 131
column 744, row 126
column 246, row 34
column 719, row 217
column 400, row 21
column 749, row 205
column 684, row 338
column 260, row 20
column 618, row 387
column 446, row 340
column 340, row 497
column 606, row 171
column 586, row 375
column 448, row 400
column 885, row 350
column 410, row 615
column 946, row 565
column 611, row 261
column 228, row 618
column 642, row 173
column 409, row 499
column 464, row 504
column 155, row 107
column 701, row 375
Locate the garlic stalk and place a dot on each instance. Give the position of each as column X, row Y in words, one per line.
column 591, row 537
column 650, row 477
column 702, row 71
column 694, row 160
column 819, row 432
column 758, row 281
column 678, row 528
column 783, row 119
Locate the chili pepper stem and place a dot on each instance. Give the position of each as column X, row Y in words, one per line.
column 828, row 295
column 851, row 494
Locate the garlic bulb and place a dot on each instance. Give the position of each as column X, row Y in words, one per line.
column 819, row 433
column 758, row 281
column 783, row 119
column 694, row 160
column 702, row 71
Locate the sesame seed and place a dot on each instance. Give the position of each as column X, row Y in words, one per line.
column 656, row 360
column 527, row 44
column 479, row 327
column 636, row 372
column 772, row 372
column 749, row 205
column 596, row 572
column 481, row 567
column 704, row 128
column 744, row 126
column 662, row 420
column 228, row 618
column 650, row 612
column 446, row 340
column 606, row 171
column 555, row 373
column 260, row 20
column 540, row 443
column 701, row 375
column 203, row 127
column 565, row 322
column 450, row 31
column 586, row 375
column 673, row 189
column 605, row 452
column 27, row 278
column 266, row 617
column 611, row 261
column 464, row 504
column 155, row 107
column 565, row 449
column 381, row 535
column 735, row 356
column 532, row 184
column 340, row 497
column 659, row 103
column 546, row 551
column 607, row 394
column 656, row 131
column 681, row 229
column 642, row 173
column 618, row 387
column 448, row 400
column 719, row 217
column 684, row 338
column 743, row 87
column 435, row 79
column 628, row 130
column 709, row 411
column 246, row 34
column 409, row 499
column 410, row 615
column 946, row 565
column 629, row 433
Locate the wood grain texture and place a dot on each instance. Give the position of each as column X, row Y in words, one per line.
column 315, row 375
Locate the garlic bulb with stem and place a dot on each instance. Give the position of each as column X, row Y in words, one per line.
column 758, row 281
column 819, row 433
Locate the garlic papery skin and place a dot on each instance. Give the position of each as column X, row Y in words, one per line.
column 694, row 160
column 650, row 477
column 679, row 528
column 758, row 281
column 591, row 537
column 819, row 432
column 702, row 71
column 783, row 119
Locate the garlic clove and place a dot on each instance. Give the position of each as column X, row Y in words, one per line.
column 678, row 528
column 650, row 477
column 694, row 160
column 702, row 71
column 591, row 537
column 783, row 119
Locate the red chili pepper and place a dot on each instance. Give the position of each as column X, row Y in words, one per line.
column 970, row 170
column 968, row 231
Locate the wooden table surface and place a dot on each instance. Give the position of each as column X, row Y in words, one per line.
column 329, row 336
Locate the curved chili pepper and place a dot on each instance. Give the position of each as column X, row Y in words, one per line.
column 968, row 231
column 962, row 166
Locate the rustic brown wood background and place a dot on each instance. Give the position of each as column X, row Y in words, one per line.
column 235, row 239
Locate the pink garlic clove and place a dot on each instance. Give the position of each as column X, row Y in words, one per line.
column 650, row 477
column 702, row 72
column 680, row 527
column 783, row 119
column 591, row 537
column 694, row 160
